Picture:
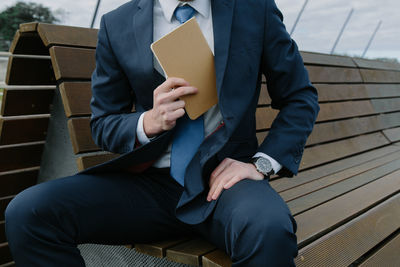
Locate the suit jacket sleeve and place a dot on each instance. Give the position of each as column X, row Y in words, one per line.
column 113, row 124
column 291, row 92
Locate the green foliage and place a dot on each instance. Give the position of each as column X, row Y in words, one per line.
column 19, row 13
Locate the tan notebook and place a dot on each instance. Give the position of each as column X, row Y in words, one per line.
column 185, row 53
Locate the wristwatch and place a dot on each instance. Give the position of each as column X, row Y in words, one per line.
column 263, row 166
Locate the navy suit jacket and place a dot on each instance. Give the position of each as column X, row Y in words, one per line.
column 249, row 40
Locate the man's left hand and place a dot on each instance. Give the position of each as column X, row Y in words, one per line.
column 228, row 173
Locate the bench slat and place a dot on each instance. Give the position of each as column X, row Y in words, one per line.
column 159, row 249
column 333, row 75
column 380, row 76
column 88, row 161
column 329, row 192
column 388, row 255
column 393, row 134
column 28, row 27
column 324, row 59
column 319, row 184
column 67, row 35
column 341, row 110
column 217, row 258
column 11, row 183
column 329, row 131
column 345, row 207
column 346, row 92
column 26, row 102
column 283, row 184
column 386, row 105
column 62, row 35
column 76, row 98
column 29, row 71
column 10, row 264
column 190, row 252
column 79, row 130
column 317, row 155
column 375, row 64
column 346, row 244
column 335, row 111
column 23, row 156
column 23, row 129
column 72, row 63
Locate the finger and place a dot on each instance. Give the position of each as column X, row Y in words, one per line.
column 221, row 167
column 172, row 82
column 171, row 117
column 177, row 114
column 218, row 190
column 172, row 106
column 174, row 95
column 233, row 181
column 213, row 187
column 220, row 180
column 179, row 92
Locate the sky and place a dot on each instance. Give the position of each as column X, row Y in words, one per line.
column 317, row 30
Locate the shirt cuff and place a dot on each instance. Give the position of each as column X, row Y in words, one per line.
column 140, row 134
column 275, row 165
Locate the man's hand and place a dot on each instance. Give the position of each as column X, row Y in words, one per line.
column 228, row 173
column 167, row 107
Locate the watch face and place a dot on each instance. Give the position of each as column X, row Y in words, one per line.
column 263, row 165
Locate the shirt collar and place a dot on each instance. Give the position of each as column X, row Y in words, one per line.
column 168, row 7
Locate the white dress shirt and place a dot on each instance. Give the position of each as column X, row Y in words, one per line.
column 164, row 23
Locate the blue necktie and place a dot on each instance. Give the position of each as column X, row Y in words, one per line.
column 189, row 133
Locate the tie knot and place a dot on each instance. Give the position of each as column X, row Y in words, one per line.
column 184, row 13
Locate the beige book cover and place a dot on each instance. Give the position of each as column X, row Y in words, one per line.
column 185, row 53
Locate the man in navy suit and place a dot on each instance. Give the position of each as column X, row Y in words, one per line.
column 222, row 192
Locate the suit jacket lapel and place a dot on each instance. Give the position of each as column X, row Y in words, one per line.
column 222, row 11
column 143, row 31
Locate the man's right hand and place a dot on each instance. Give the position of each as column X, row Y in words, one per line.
column 167, row 107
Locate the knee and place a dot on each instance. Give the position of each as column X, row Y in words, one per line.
column 257, row 226
column 272, row 226
column 261, row 236
column 27, row 210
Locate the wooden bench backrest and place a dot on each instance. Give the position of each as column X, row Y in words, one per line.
column 359, row 99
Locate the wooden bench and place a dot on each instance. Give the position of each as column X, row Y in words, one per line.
column 345, row 199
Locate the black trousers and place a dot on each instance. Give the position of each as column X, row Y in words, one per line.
column 45, row 223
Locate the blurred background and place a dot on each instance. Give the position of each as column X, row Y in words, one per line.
column 361, row 28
